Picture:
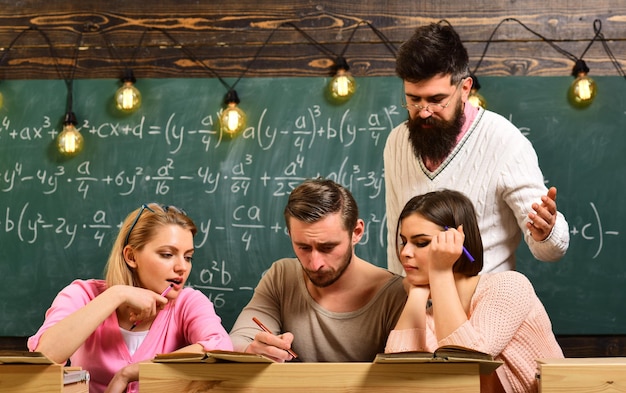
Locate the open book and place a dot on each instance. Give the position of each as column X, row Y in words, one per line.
column 446, row 353
column 211, row 357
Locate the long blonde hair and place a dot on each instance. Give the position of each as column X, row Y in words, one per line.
column 139, row 227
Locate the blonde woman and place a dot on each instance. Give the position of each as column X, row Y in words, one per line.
column 142, row 307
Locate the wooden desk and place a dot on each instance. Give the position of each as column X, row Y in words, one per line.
column 308, row 377
column 37, row 378
column 598, row 375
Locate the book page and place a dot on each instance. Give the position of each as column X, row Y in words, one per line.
column 454, row 354
column 404, row 357
column 456, row 351
column 211, row 357
column 180, row 357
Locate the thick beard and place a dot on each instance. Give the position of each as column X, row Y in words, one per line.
column 322, row 279
column 436, row 142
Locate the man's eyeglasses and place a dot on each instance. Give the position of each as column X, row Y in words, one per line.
column 146, row 207
column 433, row 107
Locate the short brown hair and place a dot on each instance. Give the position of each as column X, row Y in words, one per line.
column 315, row 199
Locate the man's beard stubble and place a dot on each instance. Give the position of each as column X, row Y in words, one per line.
column 433, row 144
column 322, row 279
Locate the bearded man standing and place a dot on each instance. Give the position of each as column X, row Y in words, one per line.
column 448, row 143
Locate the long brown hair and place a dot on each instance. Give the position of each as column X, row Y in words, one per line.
column 448, row 208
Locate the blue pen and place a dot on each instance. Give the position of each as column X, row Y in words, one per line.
column 467, row 254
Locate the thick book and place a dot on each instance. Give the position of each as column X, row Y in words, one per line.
column 211, row 357
column 446, row 353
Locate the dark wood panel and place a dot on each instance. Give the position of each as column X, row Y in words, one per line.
column 530, row 59
column 228, row 35
column 592, row 346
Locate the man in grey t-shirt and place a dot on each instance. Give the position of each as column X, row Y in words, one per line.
column 328, row 305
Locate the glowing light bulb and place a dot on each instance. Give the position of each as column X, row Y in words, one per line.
column 127, row 97
column 342, row 86
column 582, row 91
column 70, row 140
column 1, row 100
column 233, row 119
column 476, row 99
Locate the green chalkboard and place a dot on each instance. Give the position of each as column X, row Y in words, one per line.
column 58, row 217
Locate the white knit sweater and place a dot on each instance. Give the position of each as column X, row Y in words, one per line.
column 497, row 168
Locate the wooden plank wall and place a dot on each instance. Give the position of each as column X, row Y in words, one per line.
column 298, row 37
column 272, row 38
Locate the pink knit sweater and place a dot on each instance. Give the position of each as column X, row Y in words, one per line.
column 507, row 320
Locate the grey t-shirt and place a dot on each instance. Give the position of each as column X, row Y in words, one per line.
column 281, row 301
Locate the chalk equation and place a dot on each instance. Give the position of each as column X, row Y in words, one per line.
column 594, row 231
column 306, row 130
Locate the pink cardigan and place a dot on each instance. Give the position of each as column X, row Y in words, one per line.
column 190, row 319
column 507, row 320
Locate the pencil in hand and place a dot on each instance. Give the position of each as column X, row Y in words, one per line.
column 265, row 329
column 162, row 294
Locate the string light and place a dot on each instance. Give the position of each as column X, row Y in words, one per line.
column 583, row 90
column 128, row 97
column 342, row 86
column 475, row 98
column 232, row 119
column 10, row 46
column 70, row 140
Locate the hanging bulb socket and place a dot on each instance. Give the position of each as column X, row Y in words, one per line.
column 70, row 140
column 232, row 119
column 342, row 86
column 475, row 98
column 583, row 90
column 128, row 97
column 70, row 118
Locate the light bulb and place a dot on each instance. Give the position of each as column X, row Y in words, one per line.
column 582, row 91
column 1, row 100
column 127, row 97
column 342, row 86
column 233, row 119
column 69, row 141
column 476, row 99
